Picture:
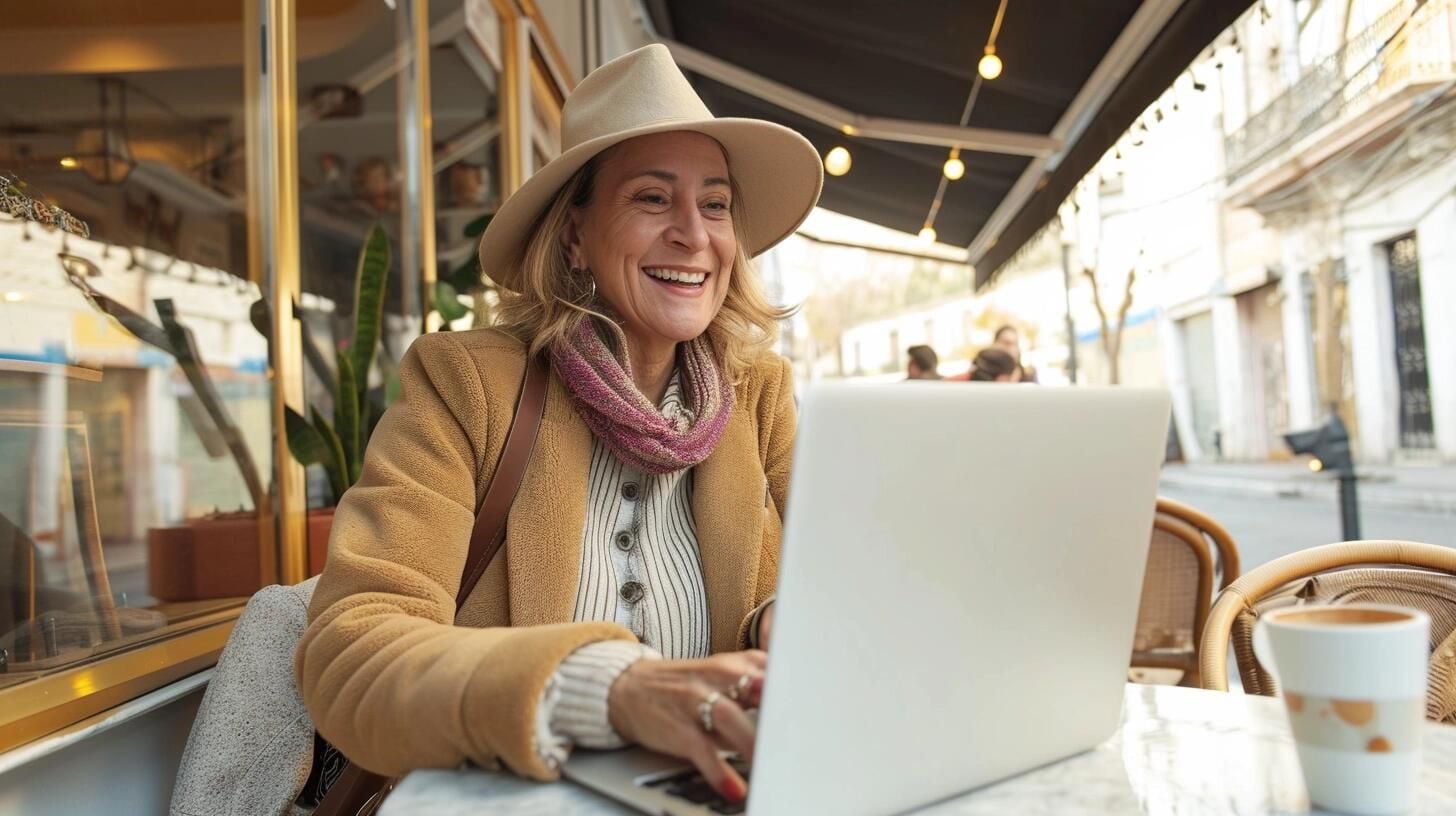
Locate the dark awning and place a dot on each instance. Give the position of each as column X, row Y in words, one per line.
column 913, row 63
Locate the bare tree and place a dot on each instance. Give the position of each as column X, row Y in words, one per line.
column 1111, row 337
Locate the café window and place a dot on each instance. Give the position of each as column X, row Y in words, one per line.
column 138, row 452
column 363, row 213
column 135, row 401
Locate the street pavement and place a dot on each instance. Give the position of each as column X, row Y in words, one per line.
column 1268, row 525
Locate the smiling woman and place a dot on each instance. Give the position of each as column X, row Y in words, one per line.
column 648, row 524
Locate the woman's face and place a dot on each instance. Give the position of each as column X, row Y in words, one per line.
column 1009, row 342
column 658, row 236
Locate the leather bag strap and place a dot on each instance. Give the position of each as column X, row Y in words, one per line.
column 505, row 483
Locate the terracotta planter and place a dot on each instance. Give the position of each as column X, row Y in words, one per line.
column 217, row 556
column 213, row 557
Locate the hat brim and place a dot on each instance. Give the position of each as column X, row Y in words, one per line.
column 777, row 172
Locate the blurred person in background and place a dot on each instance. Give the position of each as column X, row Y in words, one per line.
column 922, row 363
column 995, row 365
column 1008, row 339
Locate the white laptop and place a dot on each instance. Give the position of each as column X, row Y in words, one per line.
column 959, row 586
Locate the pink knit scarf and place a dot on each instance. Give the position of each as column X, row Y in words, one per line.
column 606, row 397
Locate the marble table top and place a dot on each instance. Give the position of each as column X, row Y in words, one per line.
column 1178, row 751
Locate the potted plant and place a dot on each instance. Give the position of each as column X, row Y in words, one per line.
column 338, row 446
column 217, row 556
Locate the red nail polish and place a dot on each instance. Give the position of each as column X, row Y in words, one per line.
column 733, row 790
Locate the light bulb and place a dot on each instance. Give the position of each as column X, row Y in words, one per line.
column 954, row 168
column 990, row 66
column 838, row 161
column 927, row 234
column 69, row 162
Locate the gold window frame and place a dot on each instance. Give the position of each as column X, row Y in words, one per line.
column 62, row 699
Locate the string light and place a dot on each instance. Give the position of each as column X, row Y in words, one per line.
column 954, row 168
column 838, row 161
column 69, row 162
column 990, row 65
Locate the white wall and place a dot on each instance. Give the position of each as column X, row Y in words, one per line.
column 1421, row 202
column 1241, row 436
column 127, row 770
column 1436, row 237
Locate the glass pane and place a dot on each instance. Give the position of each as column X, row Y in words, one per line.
column 464, row 104
column 135, row 426
column 352, row 179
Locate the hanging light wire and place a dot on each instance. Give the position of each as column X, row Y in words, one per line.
column 927, row 231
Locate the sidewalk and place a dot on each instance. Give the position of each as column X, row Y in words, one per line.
column 1418, row 488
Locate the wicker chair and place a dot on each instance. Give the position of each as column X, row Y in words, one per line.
column 1178, row 588
column 1422, row 576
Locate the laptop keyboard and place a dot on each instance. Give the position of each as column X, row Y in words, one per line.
column 691, row 786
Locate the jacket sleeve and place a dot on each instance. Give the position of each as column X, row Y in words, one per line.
column 385, row 674
column 781, row 419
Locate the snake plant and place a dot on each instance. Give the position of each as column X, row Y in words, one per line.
column 339, row 446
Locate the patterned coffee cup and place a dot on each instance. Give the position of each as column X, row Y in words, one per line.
column 1353, row 678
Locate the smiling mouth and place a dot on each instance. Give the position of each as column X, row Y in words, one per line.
column 676, row 277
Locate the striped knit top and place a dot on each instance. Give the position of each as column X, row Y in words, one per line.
column 640, row 567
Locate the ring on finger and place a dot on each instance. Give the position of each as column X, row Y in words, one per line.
column 705, row 710
column 740, row 689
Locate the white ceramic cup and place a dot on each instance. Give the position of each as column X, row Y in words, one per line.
column 1353, row 678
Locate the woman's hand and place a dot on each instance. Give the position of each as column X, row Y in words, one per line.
column 657, row 704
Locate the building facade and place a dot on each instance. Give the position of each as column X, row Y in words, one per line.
column 1285, row 211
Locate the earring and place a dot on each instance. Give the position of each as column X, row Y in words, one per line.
column 579, row 272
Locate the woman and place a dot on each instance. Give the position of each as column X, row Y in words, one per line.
column 995, row 365
column 643, row 545
column 1009, row 340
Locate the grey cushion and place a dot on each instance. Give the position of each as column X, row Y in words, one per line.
column 252, row 743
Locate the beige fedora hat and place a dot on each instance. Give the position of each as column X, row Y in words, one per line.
column 776, row 170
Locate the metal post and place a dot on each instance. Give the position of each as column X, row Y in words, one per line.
column 270, row 63
column 1349, row 507
column 1071, row 327
column 416, row 150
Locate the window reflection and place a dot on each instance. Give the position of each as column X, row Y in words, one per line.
column 134, row 398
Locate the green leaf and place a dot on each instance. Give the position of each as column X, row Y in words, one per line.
column 304, row 442
column 447, row 302
column 467, row 276
column 369, row 289
column 334, row 465
column 346, row 418
column 477, row 227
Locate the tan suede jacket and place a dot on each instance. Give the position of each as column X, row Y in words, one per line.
column 386, row 676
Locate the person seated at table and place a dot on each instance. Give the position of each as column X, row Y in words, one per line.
column 1008, row 339
column 922, row 363
column 994, row 365
column 643, row 547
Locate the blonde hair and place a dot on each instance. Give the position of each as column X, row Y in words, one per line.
column 552, row 302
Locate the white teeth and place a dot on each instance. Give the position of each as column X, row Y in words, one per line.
column 693, row 278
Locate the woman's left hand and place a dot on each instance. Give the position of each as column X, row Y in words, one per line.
column 765, row 623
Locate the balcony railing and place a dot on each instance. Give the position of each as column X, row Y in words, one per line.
column 1410, row 44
